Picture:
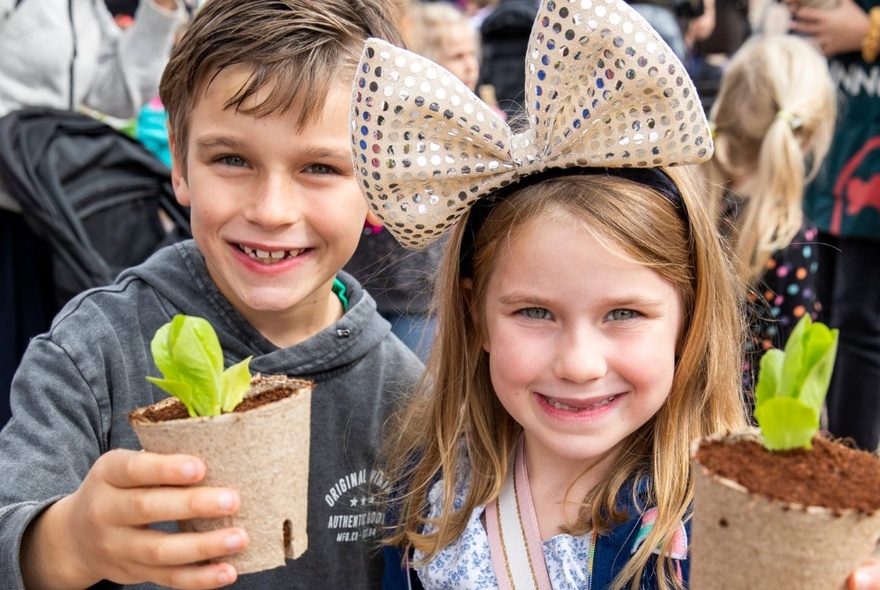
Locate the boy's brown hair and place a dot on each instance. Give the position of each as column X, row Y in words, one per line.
column 297, row 48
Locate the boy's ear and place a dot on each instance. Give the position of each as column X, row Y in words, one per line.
column 372, row 219
column 178, row 178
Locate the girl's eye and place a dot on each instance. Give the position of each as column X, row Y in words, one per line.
column 620, row 315
column 535, row 313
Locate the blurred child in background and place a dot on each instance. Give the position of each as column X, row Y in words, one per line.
column 773, row 118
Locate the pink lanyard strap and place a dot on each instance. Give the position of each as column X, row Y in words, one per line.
column 514, row 536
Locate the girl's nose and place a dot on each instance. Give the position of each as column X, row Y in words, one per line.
column 580, row 357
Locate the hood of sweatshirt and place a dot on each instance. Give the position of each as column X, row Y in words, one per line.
column 179, row 276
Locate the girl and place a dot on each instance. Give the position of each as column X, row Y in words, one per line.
column 774, row 118
column 589, row 326
column 576, row 331
column 589, row 321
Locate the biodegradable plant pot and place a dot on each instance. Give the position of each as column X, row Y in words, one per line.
column 261, row 450
column 799, row 519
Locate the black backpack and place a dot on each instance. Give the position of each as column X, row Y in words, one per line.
column 93, row 202
column 100, row 199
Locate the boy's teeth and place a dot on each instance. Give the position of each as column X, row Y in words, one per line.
column 267, row 256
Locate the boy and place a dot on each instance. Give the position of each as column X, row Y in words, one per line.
column 257, row 95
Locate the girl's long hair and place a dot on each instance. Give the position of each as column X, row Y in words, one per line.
column 774, row 119
column 455, row 421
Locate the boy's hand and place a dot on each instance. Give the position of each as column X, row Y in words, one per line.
column 100, row 531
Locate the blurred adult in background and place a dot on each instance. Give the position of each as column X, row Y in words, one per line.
column 70, row 53
column 64, row 54
column 844, row 202
column 504, row 41
column 400, row 280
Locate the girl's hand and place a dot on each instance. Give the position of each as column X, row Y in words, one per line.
column 834, row 30
column 867, row 577
column 100, row 532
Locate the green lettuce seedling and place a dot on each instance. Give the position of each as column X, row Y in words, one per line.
column 187, row 352
column 792, row 386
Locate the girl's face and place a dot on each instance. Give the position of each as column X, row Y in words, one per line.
column 581, row 342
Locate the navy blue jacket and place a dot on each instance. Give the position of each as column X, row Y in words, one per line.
column 613, row 550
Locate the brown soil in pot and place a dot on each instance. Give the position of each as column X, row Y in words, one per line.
column 830, row 474
column 264, row 390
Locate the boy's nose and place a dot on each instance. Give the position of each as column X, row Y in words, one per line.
column 275, row 203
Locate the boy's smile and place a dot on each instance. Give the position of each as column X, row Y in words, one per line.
column 276, row 212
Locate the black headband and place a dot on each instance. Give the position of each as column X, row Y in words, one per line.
column 654, row 178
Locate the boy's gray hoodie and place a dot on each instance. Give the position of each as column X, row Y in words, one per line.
column 77, row 383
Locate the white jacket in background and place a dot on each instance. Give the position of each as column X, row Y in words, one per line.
column 67, row 54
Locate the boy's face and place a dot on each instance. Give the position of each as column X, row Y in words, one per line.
column 275, row 212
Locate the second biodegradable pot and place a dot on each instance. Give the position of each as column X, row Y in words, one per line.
column 745, row 539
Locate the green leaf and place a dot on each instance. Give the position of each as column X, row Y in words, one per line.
column 236, row 382
column 161, row 349
column 178, row 389
column 793, row 367
column 792, row 386
column 769, row 376
column 787, row 423
column 187, row 352
column 816, row 382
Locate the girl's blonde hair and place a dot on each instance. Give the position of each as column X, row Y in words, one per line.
column 455, row 407
column 776, row 104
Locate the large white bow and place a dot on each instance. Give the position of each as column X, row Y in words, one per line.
column 602, row 90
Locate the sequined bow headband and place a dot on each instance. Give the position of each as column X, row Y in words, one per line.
column 602, row 91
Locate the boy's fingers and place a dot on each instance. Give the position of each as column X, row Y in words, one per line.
column 134, row 469
column 193, row 577
column 159, row 549
column 148, row 505
column 202, row 577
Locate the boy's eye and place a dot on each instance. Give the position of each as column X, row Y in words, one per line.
column 321, row 169
column 620, row 315
column 535, row 313
column 234, row 161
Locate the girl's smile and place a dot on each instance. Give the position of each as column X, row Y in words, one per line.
column 581, row 340
column 578, row 409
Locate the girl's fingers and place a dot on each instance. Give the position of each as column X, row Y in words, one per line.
column 867, row 577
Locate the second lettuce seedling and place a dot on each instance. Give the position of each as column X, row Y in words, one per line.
column 792, row 385
column 187, row 352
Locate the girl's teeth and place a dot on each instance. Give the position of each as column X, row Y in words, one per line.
column 565, row 407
